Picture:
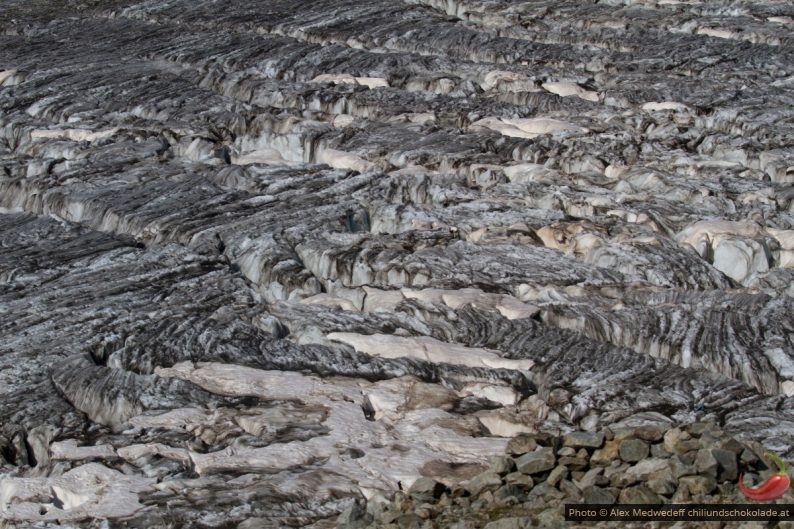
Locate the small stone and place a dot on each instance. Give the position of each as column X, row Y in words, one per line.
column 622, row 434
column 623, row 479
column 727, row 488
column 708, row 440
column 705, row 463
column 757, row 449
column 673, row 437
column 376, row 508
column 748, row 457
column 507, row 495
column 616, row 467
column 643, row 469
column 728, row 467
column 502, row 465
column 732, row 445
column 550, row 518
column 604, row 456
column 547, row 439
column 584, row 439
column 752, row 480
column 559, row 472
column 571, row 490
column 390, row 515
column 463, row 524
column 535, row 462
column 689, row 445
column 457, row 491
column 662, row 473
column 681, row 495
column 566, row 451
column 409, row 521
column 426, row 489
column 698, row 484
column 546, row 491
column 661, row 486
column 633, row 450
column 658, row 450
column 354, row 517
column 521, row 522
column 575, row 463
column 583, row 454
column 639, row 494
column 699, row 428
column 519, row 479
column 679, row 468
column 444, row 500
column 597, row 495
column 590, row 477
column 488, row 480
column 522, row 444
column 649, row 433
column 533, row 503
column 558, row 397
column 478, row 505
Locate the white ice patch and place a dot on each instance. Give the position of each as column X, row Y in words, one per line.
column 508, row 82
column 510, row 307
column 5, row 75
column 265, row 156
column 567, row 89
column 410, row 431
column 69, row 451
column 526, row 127
column 739, row 249
column 717, row 33
column 329, row 301
column 345, row 78
column 344, row 160
column 74, row 134
column 782, row 362
column 88, row 491
column 657, row 106
column 427, row 349
column 528, row 172
column 502, row 427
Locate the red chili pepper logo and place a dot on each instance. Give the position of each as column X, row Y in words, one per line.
column 773, row 488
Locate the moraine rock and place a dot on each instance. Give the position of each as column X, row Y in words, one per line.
column 728, row 467
column 426, row 489
column 482, row 482
column 584, row 439
column 633, row 450
column 501, row 499
column 522, row 444
column 639, row 494
column 540, row 460
column 597, row 495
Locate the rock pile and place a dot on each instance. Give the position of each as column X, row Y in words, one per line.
column 540, row 473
